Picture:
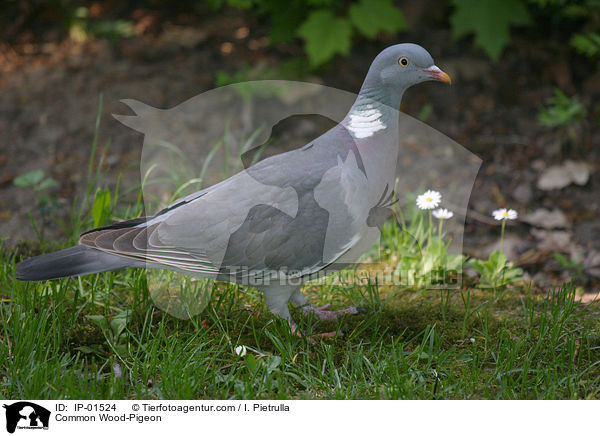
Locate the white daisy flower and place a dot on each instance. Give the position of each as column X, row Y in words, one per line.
column 240, row 350
column 443, row 214
column 429, row 200
column 505, row 214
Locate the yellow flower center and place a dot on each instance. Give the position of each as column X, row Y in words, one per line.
column 504, row 214
column 429, row 199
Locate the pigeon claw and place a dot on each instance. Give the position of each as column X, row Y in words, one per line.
column 324, row 314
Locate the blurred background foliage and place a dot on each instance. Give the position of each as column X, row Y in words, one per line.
column 324, row 28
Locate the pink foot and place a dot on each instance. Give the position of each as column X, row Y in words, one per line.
column 331, row 315
column 310, row 336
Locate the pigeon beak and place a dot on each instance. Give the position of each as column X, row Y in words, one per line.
column 436, row 74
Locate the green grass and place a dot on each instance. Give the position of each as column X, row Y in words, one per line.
column 414, row 344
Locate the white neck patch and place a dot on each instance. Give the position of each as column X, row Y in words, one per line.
column 364, row 122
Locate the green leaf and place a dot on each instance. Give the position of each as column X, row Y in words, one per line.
column 29, row 179
column 428, row 263
column 489, row 20
column 425, row 112
column 512, row 274
column 89, row 350
column 121, row 349
column 325, row 35
column 373, row 16
column 587, row 43
column 423, row 355
column 112, row 30
column 242, row 4
column 272, row 363
column 285, row 18
column 561, row 110
column 47, row 183
column 251, row 363
column 101, row 208
column 101, row 322
column 118, row 324
column 498, row 260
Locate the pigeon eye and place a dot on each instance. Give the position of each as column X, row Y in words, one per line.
column 403, row 61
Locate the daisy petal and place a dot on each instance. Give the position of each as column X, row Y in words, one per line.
column 505, row 214
column 429, row 200
column 443, row 214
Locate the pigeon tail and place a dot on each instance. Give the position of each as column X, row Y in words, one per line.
column 74, row 261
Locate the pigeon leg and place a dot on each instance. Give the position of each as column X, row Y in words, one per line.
column 276, row 298
column 322, row 312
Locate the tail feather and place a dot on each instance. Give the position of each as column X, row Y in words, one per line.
column 74, row 261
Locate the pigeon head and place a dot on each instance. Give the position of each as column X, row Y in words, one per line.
column 399, row 67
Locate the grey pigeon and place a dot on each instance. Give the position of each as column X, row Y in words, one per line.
column 282, row 221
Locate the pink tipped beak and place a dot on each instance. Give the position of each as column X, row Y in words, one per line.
column 436, row 74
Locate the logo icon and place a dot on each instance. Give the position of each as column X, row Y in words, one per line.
column 26, row 415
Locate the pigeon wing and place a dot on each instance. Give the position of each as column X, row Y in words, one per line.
column 265, row 218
